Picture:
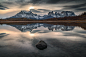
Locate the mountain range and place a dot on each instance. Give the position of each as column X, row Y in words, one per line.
column 31, row 15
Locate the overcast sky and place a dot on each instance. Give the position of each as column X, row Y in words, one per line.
column 11, row 7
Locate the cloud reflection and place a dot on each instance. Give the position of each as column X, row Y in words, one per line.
column 3, row 35
column 60, row 43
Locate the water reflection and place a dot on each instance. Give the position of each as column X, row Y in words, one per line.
column 30, row 27
column 62, row 41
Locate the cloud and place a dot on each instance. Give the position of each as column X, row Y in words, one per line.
column 20, row 0
column 57, row 10
column 36, row 11
column 3, row 7
column 36, row 1
column 4, row 46
column 47, row 1
column 43, row 6
column 45, row 10
column 7, row 2
column 75, row 6
column 55, row 1
column 79, row 7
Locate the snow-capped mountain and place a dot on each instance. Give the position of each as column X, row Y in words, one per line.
column 26, row 14
column 30, row 27
column 30, row 15
column 61, row 14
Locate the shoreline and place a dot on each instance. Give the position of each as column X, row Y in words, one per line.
column 37, row 21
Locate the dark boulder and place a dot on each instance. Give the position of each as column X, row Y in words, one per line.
column 41, row 45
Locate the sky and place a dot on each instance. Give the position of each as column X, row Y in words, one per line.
column 10, row 8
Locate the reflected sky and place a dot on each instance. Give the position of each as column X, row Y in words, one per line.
column 15, row 43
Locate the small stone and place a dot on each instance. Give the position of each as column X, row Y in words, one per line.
column 41, row 45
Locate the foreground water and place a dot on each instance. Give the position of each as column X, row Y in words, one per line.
column 62, row 41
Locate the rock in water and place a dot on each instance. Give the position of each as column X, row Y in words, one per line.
column 41, row 45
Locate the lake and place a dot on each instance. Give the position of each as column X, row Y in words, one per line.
column 62, row 40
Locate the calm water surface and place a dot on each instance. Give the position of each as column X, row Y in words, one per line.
column 62, row 41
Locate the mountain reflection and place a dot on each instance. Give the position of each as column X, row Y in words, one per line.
column 30, row 27
column 67, row 41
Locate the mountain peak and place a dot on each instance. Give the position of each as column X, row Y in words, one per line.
column 24, row 12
